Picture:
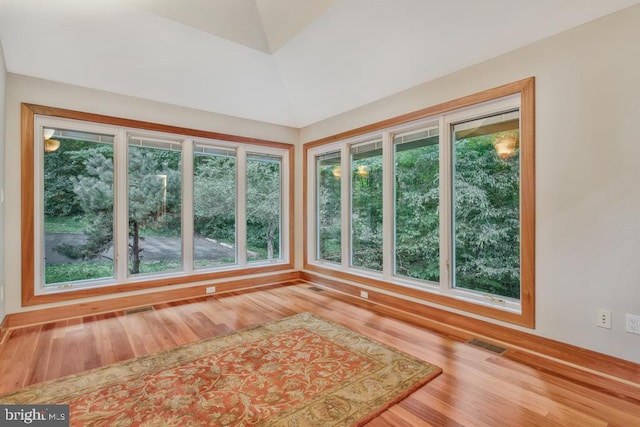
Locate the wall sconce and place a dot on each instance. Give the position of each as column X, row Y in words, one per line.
column 506, row 146
column 50, row 144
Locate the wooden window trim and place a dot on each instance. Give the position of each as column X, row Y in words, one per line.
column 29, row 297
column 526, row 89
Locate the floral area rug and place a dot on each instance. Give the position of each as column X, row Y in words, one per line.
column 298, row 371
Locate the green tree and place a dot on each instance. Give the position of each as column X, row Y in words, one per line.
column 329, row 211
column 214, row 197
column 366, row 211
column 61, row 167
column 154, row 200
column 487, row 220
column 264, row 205
column 417, row 202
column 155, row 196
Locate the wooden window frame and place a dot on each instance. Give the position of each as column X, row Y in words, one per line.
column 526, row 315
column 28, row 238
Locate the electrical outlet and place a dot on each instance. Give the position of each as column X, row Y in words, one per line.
column 364, row 294
column 633, row 324
column 604, row 318
column 1, row 293
column 211, row 290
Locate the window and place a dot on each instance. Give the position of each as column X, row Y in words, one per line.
column 440, row 206
column 328, row 199
column 486, row 205
column 117, row 205
column 214, row 206
column 366, row 205
column 77, row 206
column 155, row 206
column 264, row 207
column 417, row 203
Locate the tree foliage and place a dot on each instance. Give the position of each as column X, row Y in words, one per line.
column 214, row 197
column 155, row 197
column 264, row 183
column 80, row 182
column 487, row 220
column 486, row 215
column 328, row 206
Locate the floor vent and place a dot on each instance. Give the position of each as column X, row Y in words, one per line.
column 315, row 289
column 485, row 345
column 138, row 310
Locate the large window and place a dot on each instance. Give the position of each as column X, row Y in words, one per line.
column 417, row 204
column 366, row 205
column 155, row 206
column 439, row 207
column 120, row 207
column 77, row 206
column 264, row 205
column 214, row 206
column 486, row 205
column 328, row 200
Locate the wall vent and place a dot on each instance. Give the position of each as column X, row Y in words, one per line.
column 487, row 346
column 138, row 310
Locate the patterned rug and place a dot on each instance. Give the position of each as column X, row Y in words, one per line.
column 298, row 371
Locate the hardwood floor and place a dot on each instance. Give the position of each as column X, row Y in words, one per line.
column 477, row 388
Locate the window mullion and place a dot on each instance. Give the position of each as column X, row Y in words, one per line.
column 121, row 234
column 388, row 206
column 345, row 206
column 446, row 210
column 241, row 217
column 187, row 206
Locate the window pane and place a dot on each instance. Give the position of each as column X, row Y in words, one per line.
column 328, row 207
column 214, row 206
column 486, row 205
column 366, row 205
column 264, row 206
column 155, row 206
column 78, row 206
column 417, row 199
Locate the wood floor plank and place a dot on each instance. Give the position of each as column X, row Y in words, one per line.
column 477, row 388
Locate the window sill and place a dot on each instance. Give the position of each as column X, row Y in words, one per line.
column 61, row 295
column 462, row 300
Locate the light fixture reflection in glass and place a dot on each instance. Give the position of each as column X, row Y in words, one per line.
column 506, row 146
column 336, row 172
column 50, row 144
column 362, row 171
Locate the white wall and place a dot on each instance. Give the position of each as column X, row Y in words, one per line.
column 587, row 170
column 36, row 91
column 3, row 76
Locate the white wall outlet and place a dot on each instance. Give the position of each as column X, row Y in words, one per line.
column 364, row 294
column 1, row 293
column 633, row 324
column 211, row 290
column 604, row 318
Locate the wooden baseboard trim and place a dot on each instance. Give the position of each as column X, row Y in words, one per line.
column 597, row 370
column 34, row 317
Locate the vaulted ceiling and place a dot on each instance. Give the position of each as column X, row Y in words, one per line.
column 290, row 62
